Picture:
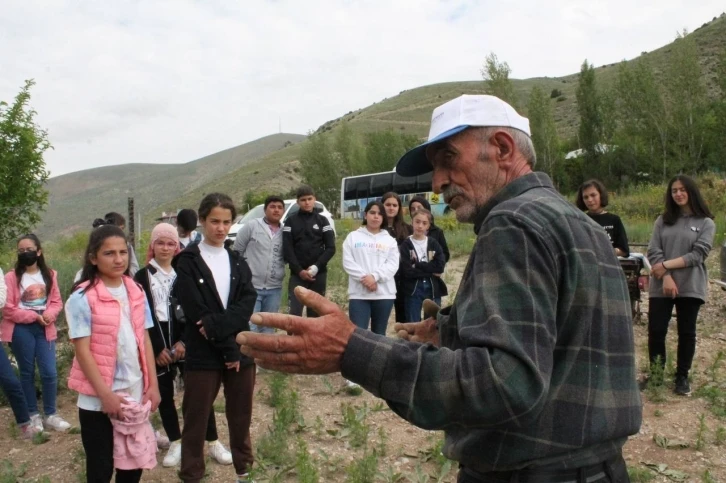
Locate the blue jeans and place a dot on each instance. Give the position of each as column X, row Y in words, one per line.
column 375, row 311
column 414, row 303
column 268, row 300
column 13, row 389
column 29, row 346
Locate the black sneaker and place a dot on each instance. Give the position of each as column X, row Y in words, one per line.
column 682, row 387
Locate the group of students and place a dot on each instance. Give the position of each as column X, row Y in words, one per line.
column 681, row 240
column 134, row 328
column 183, row 309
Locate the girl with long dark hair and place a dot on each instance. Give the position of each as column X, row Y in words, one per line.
column 397, row 227
column 113, row 371
column 592, row 198
column 214, row 288
column 682, row 239
column 370, row 258
column 33, row 304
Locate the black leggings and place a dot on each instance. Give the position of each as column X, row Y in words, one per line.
column 97, row 439
column 169, row 414
column 659, row 315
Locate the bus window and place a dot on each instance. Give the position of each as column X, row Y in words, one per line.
column 357, row 187
column 423, row 182
column 381, row 184
column 404, row 185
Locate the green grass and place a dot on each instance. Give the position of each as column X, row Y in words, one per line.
column 638, row 474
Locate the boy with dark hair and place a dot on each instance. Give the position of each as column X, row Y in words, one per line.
column 260, row 243
column 308, row 244
column 117, row 219
column 186, row 224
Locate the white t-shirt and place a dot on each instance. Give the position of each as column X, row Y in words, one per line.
column 33, row 295
column 160, row 284
column 420, row 247
column 217, row 259
column 127, row 376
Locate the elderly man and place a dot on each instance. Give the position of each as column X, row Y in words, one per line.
column 531, row 372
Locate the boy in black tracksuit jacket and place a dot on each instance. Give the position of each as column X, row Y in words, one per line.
column 164, row 336
column 206, row 357
column 308, row 244
column 418, row 281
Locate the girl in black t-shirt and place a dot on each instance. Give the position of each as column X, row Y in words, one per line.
column 592, row 198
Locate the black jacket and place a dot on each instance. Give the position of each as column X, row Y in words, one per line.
column 307, row 239
column 410, row 270
column 159, row 341
column 197, row 294
column 401, row 237
column 438, row 234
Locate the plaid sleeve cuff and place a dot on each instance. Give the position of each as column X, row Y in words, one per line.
column 364, row 360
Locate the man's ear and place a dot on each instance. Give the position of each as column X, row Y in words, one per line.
column 504, row 145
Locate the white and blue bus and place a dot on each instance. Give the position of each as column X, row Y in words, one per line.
column 357, row 191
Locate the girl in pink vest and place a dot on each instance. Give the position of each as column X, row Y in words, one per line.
column 108, row 318
column 33, row 304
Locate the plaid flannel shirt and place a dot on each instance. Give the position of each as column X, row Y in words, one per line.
column 536, row 365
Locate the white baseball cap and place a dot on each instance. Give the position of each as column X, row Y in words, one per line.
column 455, row 116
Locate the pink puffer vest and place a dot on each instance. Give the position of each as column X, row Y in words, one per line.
column 105, row 320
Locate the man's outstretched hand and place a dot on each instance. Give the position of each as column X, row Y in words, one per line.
column 313, row 346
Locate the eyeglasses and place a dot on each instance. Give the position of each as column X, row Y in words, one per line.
column 26, row 250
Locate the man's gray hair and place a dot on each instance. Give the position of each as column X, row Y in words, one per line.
column 521, row 140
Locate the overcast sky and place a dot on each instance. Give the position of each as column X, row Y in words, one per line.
column 171, row 81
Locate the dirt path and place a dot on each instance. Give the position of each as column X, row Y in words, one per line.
column 408, row 449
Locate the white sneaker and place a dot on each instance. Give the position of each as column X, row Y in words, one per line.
column 36, row 422
column 351, row 384
column 56, row 423
column 162, row 442
column 245, row 478
column 219, row 453
column 28, row 431
column 173, row 456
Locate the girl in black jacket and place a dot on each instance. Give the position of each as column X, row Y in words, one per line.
column 434, row 232
column 421, row 265
column 167, row 339
column 214, row 288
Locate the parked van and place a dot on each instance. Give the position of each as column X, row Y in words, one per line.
column 291, row 208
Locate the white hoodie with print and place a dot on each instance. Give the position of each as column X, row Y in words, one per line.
column 366, row 253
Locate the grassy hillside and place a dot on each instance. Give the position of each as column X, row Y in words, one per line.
column 77, row 198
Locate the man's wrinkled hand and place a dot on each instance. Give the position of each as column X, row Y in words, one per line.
column 311, row 346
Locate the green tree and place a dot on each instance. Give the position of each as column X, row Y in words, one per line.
column 687, row 97
column 320, row 169
column 384, row 148
column 715, row 157
column 544, row 133
column 22, row 168
column 588, row 107
column 644, row 118
column 497, row 81
column 349, row 151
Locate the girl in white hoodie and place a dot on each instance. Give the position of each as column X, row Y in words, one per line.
column 370, row 258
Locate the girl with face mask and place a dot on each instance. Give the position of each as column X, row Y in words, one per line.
column 33, row 304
